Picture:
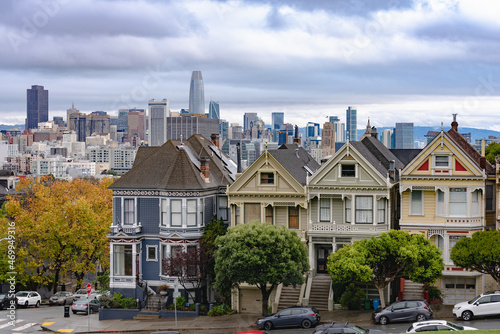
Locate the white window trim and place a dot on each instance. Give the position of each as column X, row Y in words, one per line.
column 441, row 154
column 166, row 221
column 355, row 170
column 182, row 216
column 267, row 172
column 329, row 210
column 123, row 210
column 195, row 213
column 411, row 204
column 148, row 247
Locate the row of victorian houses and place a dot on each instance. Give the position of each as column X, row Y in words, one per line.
column 445, row 191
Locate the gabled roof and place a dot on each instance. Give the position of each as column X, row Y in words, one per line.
column 296, row 161
column 405, row 155
column 380, row 156
column 176, row 166
column 473, row 154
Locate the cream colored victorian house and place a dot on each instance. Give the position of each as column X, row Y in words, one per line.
column 351, row 197
column 272, row 190
column 447, row 193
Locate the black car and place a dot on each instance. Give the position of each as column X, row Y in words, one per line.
column 296, row 316
column 344, row 328
column 404, row 310
column 6, row 300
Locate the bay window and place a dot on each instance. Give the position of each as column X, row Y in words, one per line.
column 122, row 260
column 458, row 202
column 416, row 202
column 324, row 209
column 191, row 212
column 364, row 210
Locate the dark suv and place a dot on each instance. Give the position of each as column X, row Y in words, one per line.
column 296, row 316
column 404, row 310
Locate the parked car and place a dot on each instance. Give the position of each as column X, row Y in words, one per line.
column 82, row 305
column 404, row 310
column 437, row 325
column 486, row 304
column 248, row 332
column 61, row 298
column 344, row 328
column 27, row 298
column 7, row 299
column 297, row 316
column 82, row 293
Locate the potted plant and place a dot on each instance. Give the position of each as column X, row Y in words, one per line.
column 163, row 289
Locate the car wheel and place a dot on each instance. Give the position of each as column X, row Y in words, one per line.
column 383, row 320
column 421, row 317
column 268, row 326
column 467, row 315
column 74, row 312
column 306, row 323
column 37, row 304
column 91, row 311
column 26, row 304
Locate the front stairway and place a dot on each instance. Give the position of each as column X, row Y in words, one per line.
column 320, row 290
column 289, row 297
column 413, row 290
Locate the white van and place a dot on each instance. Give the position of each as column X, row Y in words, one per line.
column 486, row 304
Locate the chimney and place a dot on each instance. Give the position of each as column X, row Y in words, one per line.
column 454, row 124
column 482, row 162
column 204, row 168
column 483, row 147
column 297, row 152
column 215, row 139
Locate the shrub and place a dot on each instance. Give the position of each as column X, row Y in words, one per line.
column 434, row 292
column 219, row 310
column 181, row 302
column 352, row 297
column 338, row 291
column 163, row 287
column 107, row 301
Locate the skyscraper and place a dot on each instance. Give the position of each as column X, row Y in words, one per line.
column 403, row 136
column 339, row 128
column 249, row 118
column 158, row 112
column 37, row 106
column 351, row 123
column 196, row 94
column 386, row 138
column 328, row 139
column 278, row 118
column 213, row 110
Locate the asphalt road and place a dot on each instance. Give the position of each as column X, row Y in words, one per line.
column 30, row 319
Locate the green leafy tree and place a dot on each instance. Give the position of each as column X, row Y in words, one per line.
column 381, row 260
column 492, row 151
column 213, row 229
column 481, row 253
column 262, row 255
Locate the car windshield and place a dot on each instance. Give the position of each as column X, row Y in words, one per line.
column 455, row 326
column 22, row 294
column 473, row 300
column 82, row 301
column 81, row 292
column 59, row 294
column 360, row 329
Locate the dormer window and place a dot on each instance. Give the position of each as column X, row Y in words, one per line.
column 442, row 161
column 266, row 178
column 348, row 170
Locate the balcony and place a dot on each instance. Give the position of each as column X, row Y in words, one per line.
column 327, row 228
column 127, row 229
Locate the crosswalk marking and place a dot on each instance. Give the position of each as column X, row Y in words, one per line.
column 66, row 330
column 9, row 324
column 24, row 327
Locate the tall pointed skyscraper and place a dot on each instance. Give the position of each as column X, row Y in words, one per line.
column 196, row 94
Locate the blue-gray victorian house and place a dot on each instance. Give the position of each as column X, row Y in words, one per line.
column 162, row 205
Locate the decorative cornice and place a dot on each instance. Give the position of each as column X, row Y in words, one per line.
column 443, row 177
column 161, row 193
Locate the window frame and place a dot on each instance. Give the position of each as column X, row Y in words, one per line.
column 457, row 203
column 348, row 210
column 148, row 248
column 269, row 213
column 344, row 172
column 128, row 213
column 267, row 178
column 125, row 257
column 439, row 163
column 191, row 215
column 412, row 203
column 381, row 211
column 325, row 213
column 290, row 216
column 357, row 210
column 175, row 213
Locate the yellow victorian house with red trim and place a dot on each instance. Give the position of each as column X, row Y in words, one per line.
column 447, row 193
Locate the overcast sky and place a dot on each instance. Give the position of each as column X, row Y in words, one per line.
column 395, row 60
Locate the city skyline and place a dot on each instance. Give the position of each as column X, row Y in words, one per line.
column 422, row 60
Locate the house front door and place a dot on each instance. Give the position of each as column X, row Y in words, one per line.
column 322, row 252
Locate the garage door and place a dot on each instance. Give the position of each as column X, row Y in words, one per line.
column 458, row 289
column 250, row 301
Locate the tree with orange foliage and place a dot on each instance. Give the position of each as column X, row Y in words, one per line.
column 60, row 228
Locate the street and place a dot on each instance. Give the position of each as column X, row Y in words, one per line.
column 30, row 320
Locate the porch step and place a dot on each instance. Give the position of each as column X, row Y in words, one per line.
column 289, row 297
column 413, row 290
column 320, row 290
column 154, row 302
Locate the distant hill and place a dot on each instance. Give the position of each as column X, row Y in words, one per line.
column 15, row 126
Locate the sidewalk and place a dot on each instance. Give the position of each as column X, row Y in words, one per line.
column 238, row 322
